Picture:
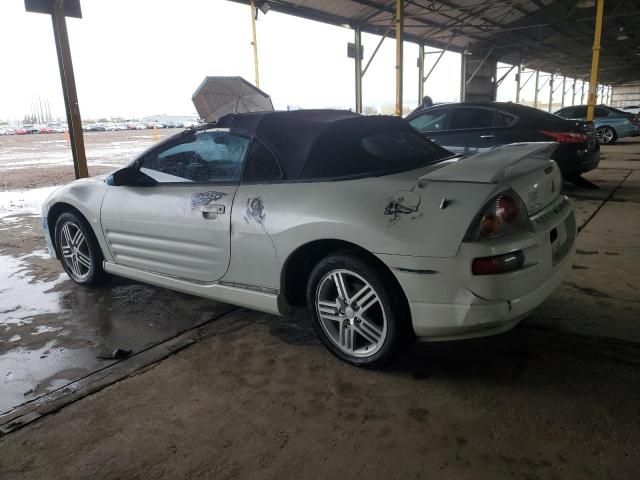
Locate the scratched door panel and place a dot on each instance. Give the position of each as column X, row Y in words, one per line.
column 163, row 229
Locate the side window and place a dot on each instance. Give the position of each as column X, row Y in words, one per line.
column 566, row 112
column 579, row 112
column 600, row 112
column 464, row 118
column 261, row 166
column 430, row 121
column 505, row 119
column 208, row 156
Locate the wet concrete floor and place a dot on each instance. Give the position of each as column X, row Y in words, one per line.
column 53, row 333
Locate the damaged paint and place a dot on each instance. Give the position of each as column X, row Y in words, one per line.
column 201, row 199
column 255, row 210
column 403, row 202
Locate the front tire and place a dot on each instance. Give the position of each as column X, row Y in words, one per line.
column 78, row 250
column 354, row 311
column 606, row 135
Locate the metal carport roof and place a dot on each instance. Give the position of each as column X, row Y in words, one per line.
column 550, row 35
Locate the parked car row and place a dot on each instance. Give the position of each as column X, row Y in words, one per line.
column 54, row 127
column 111, row 126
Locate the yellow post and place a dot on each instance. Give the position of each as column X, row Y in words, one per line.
column 254, row 43
column 595, row 59
column 399, row 55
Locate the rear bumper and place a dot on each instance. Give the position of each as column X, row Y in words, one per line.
column 448, row 302
column 574, row 161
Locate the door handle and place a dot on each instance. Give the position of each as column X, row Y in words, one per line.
column 212, row 211
column 487, row 137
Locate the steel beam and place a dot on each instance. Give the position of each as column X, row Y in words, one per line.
column 76, row 138
column 595, row 60
column 254, row 42
column 501, row 79
column 420, row 72
column 535, row 95
column 399, row 54
column 358, row 71
column 463, row 77
column 482, row 62
column 375, row 50
column 518, row 87
column 426, row 77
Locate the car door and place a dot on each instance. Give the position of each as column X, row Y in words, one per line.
column 180, row 225
column 471, row 130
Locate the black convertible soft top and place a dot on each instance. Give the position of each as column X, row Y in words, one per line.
column 336, row 143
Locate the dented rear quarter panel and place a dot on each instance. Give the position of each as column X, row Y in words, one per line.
column 389, row 215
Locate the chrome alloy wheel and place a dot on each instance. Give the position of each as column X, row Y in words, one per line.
column 75, row 251
column 605, row 135
column 351, row 313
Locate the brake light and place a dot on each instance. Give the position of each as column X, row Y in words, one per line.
column 566, row 137
column 497, row 264
column 503, row 214
column 634, row 119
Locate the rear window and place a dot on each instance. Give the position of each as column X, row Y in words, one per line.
column 371, row 153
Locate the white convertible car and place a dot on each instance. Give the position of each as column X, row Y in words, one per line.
column 384, row 235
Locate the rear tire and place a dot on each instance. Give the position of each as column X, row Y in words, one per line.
column 354, row 310
column 606, row 135
column 78, row 250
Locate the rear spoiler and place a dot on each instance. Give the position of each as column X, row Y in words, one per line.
column 493, row 165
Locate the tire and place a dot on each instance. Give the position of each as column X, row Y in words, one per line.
column 339, row 320
column 78, row 250
column 606, row 135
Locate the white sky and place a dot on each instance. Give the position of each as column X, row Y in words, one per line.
column 145, row 57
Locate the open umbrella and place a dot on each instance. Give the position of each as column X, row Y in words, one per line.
column 218, row 96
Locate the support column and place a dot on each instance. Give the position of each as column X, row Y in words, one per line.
column 518, row 75
column 573, row 92
column 535, row 95
column 399, row 54
column 358, row 70
column 564, row 81
column 582, row 93
column 550, row 91
column 420, row 72
column 254, row 43
column 595, row 60
column 76, row 138
column 463, row 77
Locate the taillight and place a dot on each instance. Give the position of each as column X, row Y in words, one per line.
column 498, row 264
column 566, row 137
column 503, row 214
column 634, row 119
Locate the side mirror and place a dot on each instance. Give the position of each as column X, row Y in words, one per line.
column 129, row 177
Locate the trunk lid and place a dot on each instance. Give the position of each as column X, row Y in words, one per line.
column 524, row 167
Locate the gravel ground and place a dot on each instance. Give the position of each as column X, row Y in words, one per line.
column 28, row 161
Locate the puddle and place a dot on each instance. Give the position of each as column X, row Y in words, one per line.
column 23, row 202
column 22, row 295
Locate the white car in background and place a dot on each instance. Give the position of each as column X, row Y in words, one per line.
column 384, row 235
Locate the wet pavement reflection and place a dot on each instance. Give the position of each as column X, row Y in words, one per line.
column 54, row 332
